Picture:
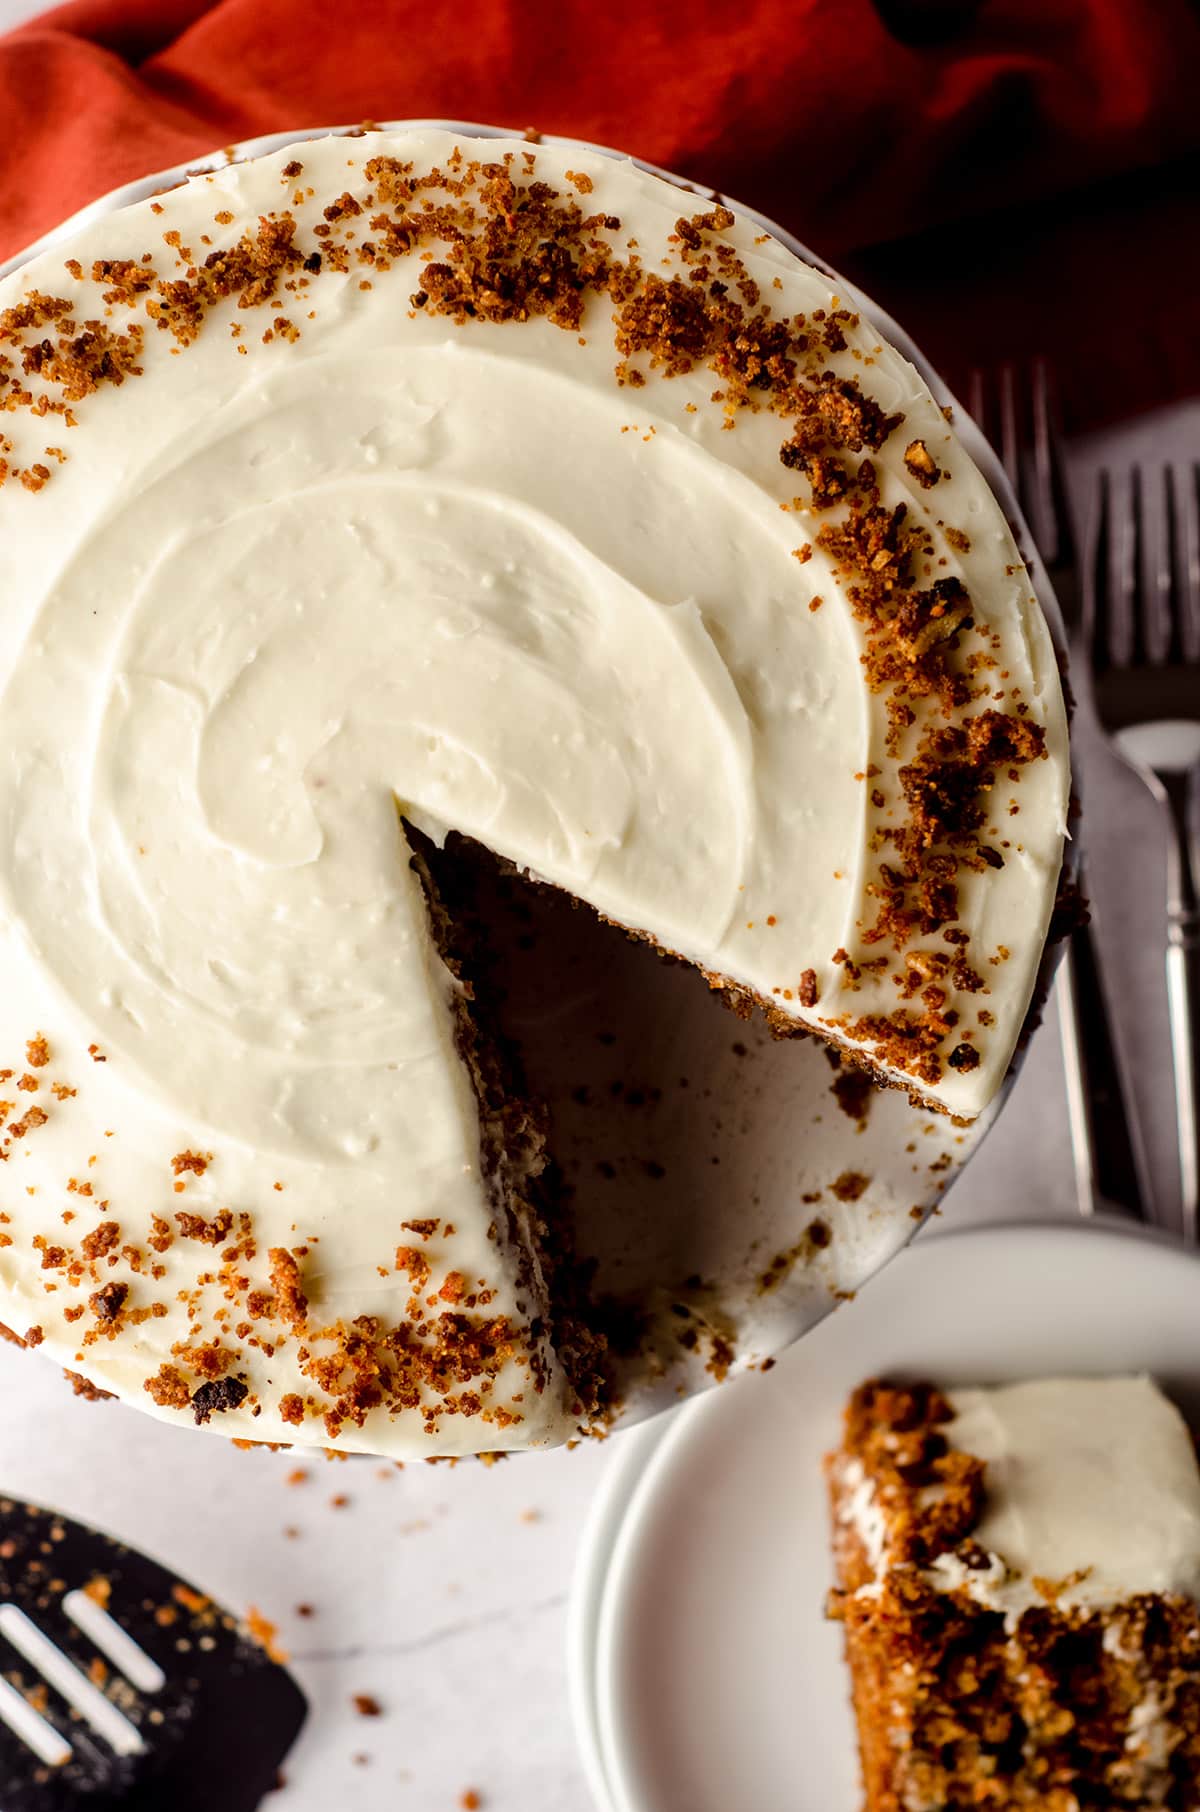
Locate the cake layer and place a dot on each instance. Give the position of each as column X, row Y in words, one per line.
column 563, row 514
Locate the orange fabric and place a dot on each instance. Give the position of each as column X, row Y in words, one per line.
column 811, row 111
column 1053, row 146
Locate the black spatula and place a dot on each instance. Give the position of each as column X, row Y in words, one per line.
column 123, row 1686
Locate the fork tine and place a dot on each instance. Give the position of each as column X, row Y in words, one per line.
column 1097, row 576
column 1010, row 444
column 1147, row 570
column 1183, row 496
column 1124, row 561
column 977, row 400
column 1053, row 528
column 1154, row 569
column 1041, row 497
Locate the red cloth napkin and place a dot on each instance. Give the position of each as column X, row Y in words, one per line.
column 811, row 112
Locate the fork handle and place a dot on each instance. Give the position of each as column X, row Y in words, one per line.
column 1183, row 992
column 1109, row 1165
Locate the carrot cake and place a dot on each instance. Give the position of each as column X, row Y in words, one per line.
column 1017, row 1578
column 402, row 484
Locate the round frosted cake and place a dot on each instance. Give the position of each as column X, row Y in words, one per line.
column 399, row 485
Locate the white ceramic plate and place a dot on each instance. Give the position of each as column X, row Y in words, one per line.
column 653, row 1185
column 604, row 1523
column 706, row 1676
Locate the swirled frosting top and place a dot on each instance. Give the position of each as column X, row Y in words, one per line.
column 519, row 489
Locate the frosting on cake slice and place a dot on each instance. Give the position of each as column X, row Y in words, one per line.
column 1088, row 1480
column 517, row 488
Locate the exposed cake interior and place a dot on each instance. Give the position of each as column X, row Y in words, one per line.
column 1017, row 1574
column 524, row 1182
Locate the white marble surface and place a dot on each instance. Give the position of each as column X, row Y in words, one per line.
column 441, row 1591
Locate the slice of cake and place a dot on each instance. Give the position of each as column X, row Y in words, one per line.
column 516, row 487
column 1017, row 1575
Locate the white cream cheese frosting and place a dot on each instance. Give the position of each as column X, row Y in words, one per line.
column 344, row 551
column 1091, row 1496
column 1091, row 1481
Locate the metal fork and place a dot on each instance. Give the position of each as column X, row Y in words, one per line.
column 1142, row 624
column 1109, row 1161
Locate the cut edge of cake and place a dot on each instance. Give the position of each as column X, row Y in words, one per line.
column 516, row 1157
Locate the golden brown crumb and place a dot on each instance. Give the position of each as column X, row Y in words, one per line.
column 83, row 1387
column 101, row 1240
column 210, row 1233
column 191, row 1161
column 262, row 1631
column 290, row 1296
column 921, row 463
column 108, row 1302
column 169, row 1388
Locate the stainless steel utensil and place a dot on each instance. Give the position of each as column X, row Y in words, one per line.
column 1110, row 1167
column 1142, row 630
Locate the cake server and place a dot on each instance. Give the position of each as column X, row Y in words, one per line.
column 123, row 1686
